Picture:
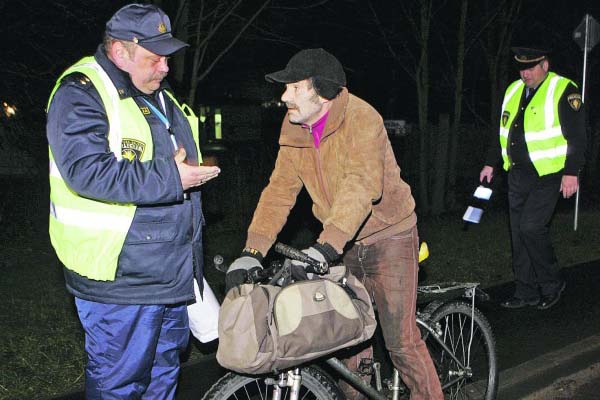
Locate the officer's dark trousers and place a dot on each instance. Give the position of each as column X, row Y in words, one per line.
column 532, row 200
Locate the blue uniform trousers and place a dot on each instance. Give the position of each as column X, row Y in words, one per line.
column 133, row 350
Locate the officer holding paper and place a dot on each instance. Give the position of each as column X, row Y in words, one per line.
column 541, row 144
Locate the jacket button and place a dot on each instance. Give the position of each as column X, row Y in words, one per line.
column 148, row 237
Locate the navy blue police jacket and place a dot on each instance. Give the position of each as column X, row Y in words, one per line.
column 163, row 247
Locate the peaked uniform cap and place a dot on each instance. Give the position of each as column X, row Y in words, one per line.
column 146, row 25
column 527, row 57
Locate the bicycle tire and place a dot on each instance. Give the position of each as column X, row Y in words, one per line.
column 453, row 322
column 316, row 384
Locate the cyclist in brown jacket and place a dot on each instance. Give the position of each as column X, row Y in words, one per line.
column 335, row 145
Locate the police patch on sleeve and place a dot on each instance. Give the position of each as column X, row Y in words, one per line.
column 574, row 100
column 505, row 117
column 132, row 149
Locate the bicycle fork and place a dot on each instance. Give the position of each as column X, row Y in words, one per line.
column 291, row 379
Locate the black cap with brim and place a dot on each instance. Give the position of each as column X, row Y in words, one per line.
column 311, row 63
column 286, row 76
column 528, row 57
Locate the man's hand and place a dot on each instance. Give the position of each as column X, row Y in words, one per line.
column 322, row 252
column 569, row 185
column 298, row 267
column 193, row 175
column 486, row 173
column 239, row 270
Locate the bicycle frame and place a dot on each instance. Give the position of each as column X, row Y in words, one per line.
column 438, row 324
column 294, row 378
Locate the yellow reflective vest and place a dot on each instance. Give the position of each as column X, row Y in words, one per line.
column 87, row 234
column 546, row 143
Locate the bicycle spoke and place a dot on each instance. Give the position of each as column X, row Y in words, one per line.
column 462, row 355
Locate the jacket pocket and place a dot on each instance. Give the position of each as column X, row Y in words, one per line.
column 151, row 232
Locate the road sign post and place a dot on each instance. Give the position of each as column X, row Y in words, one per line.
column 586, row 35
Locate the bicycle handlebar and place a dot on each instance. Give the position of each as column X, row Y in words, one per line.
column 258, row 275
column 295, row 254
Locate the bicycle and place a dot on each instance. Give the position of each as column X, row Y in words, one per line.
column 457, row 334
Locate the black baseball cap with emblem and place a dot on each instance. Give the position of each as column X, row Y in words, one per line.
column 146, row 25
column 527, row 57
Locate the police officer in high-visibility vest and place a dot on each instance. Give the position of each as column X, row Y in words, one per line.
column 541, row 144
column 125, row 207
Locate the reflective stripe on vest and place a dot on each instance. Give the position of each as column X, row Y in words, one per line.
column 543, row 134
column 88, row 235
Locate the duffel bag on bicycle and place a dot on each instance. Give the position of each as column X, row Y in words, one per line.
column 264, row 328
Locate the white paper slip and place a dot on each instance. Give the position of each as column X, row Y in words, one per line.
column 473, row 214
column 483, row 193
column 204, row 314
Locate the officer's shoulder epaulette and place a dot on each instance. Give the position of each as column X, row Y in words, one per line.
column 77, row 79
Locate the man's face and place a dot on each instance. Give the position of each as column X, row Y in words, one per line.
column 146, row 69
column 304, row 105
column 533, row 76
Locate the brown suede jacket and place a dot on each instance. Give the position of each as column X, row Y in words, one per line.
column 352, row 178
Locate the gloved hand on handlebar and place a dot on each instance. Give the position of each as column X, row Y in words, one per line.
column 322, row 252
column 242, row 267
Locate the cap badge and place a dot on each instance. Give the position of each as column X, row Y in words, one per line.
column 574, row 100
column 162, row 28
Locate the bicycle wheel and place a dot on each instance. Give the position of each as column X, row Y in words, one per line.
column 316, row 384
column 477, row 377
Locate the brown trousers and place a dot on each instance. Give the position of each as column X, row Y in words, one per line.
column 389, row 270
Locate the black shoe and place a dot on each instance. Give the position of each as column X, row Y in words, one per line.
column 549, row 300
column 515, row 302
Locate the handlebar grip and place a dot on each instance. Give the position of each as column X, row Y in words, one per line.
column 219, row 263
column 294, row 254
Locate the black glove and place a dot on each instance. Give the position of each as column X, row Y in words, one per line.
column 242, row 267
column 322, row 252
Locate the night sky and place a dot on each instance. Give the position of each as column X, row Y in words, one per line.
column 42, row 38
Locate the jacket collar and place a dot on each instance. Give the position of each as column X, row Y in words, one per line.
column 119, row 78
column 296, row 136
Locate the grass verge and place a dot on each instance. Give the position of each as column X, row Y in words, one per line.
column 41, row 340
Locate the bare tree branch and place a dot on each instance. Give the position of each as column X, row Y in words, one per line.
column 232, row 42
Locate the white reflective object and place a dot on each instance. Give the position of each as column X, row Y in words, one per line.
column 204, row 314
column 473, row 214
column 483, row 193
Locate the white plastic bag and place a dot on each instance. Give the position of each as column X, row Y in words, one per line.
column 204, row 314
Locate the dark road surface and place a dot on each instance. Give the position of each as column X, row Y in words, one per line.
column 551, row 354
